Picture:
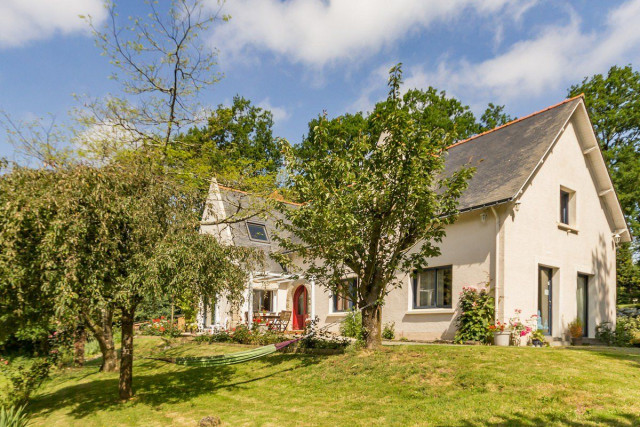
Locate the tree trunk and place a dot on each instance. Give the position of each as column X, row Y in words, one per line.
column 103, row 332
column 126, row 357
column 78, row 345
column 372, row 326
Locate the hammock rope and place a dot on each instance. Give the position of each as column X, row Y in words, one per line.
column 243, row 356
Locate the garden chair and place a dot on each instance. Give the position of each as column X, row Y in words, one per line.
column 281, row 323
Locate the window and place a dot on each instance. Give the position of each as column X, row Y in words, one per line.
column 567, row 207
column 432, row 288
column 343, row 297
column 264, row 301
column 564, row 207
column 545, row 302
column 582, row 302
column 257, row 232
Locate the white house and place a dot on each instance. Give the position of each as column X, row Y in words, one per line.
column 539, row 224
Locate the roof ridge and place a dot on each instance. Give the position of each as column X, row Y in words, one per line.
column 516, row 120
column 275, row 196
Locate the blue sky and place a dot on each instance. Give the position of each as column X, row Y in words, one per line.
column 300, row 57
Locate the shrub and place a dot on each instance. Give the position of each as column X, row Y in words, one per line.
column 389, row 331
column 14, row 416
column 241, row 335
column 626, row 332
column 160, row 327
column 576, row 329
column 476, row 315
column 351, row 327
column 24, row 379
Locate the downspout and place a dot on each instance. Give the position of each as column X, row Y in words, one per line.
column 497, row 266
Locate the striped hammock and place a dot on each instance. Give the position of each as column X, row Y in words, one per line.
column 228, row 359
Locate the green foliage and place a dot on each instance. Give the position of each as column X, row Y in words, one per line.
column 13, row 416
column 27, row 297
column 236, row 146
column 351, row 327
column 389, row 331
column 477, row 311
column 24, row 378
column 625, row 334
column 493, row 117
column 374, row 190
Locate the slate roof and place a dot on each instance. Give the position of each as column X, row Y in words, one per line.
column 505, row 157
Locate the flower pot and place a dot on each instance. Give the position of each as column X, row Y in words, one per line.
column 576, row 341
column 501, row 339
column 524, row 341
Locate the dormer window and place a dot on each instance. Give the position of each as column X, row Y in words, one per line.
column 257, row 232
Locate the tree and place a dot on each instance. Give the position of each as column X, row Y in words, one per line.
column 162, row 65
column 115, row 235
column 613, row 102
column 236, row 146
column 377, row 199
column 26, row 301
column 493, row 117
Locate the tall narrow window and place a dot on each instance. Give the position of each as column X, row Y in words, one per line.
column 545, row 277
column 344, row 295
column 565, row 197
column 432, row 288
column 582, row 302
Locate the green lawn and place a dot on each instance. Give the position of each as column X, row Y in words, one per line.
column 402, row 385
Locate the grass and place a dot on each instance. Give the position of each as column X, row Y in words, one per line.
column 400, row 385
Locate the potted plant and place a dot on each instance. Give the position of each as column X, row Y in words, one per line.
column 501, row 334
column 537, row 338
column 576, row 331
column 520, row 330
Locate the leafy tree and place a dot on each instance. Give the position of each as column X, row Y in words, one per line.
column 26, row 302
column 613, row 101
column 376, row 199
column 493, row 117
column 116, row 234
column 236, row 146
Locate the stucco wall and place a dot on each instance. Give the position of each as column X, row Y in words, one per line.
column 533, row 238
column 467, row 247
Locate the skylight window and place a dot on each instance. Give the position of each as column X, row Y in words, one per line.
column 257, row 232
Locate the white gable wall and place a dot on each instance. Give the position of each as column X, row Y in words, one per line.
column 533, row 238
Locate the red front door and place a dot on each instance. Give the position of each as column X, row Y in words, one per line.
column 300, row 309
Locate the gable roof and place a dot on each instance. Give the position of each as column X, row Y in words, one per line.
column 505, row 157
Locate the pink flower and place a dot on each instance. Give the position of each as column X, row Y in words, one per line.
column 6, row 362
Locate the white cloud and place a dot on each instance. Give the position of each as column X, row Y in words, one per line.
column 318, row 32
column 22, row 21
column 548, row 61
column 280, row 114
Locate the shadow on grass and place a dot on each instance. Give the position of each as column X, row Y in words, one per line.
column 175, row 385
column 628, row 354
column 619, row 419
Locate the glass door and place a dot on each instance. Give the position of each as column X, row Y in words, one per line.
column 544, row 299
column 582, row 300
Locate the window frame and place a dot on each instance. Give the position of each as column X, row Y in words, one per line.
column 353, row 282
column 415, row 279
column 258, row 224
column 585, row 308
column 272, row 300
column 565, row 207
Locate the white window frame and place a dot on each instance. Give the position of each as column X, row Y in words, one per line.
column 259, row 224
